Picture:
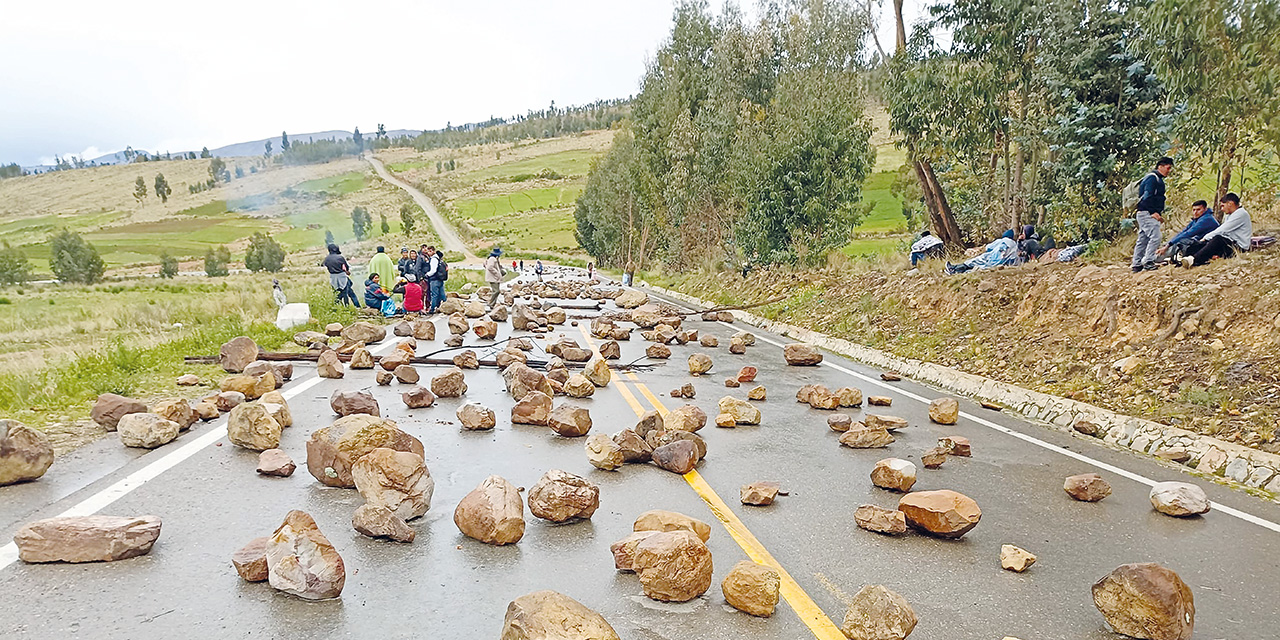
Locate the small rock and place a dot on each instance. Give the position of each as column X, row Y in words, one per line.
column 658, row 351
column 861, row 436
column 147, row 430
column 328, row 365
column 801, row 355
column 994, row 406
column 205, row 410
column 731, row 382
column 559, row 496
column 1174, row 454
column 383, row 378
column 275, row 462
column 406, row 374
column 467, row 360
column 333, row 329
column 650, row 421
column 709, row 341
column 726, row 420
column 752, row 588
column 453, row 341
column 475, row 417
column 1146, row 600
column 699, row 363
column 397, row 358
column 418, row 397
column 25, row 454
column 188, row 380
column 840, row 422
column 756, row 393
column 578, row 386
column 597, row 371
column 956, row 446
column 944, row 410
column 548, row 615
column 485, row 329
column 570, row 421
column 747, row 374
column 252, row 426
column 603, row 452
column 890, row 376
column 610, row 350
column 879, row 401
column 380, row 522
column 228, row 400
column 760, row 494
column 849, row 397
column 87, row 538
column 345, row 403
column 250, row 560
column 1015, row 559
column 492, row 513
column 894, row 474
column 888, row 423
column 933, row 458
column 880, row 520
column 661, row 520
column 302, row 562
column 1179, row 499
column 1087, row 487
column 1087, row 428
column 361, row 359
column 876, row 613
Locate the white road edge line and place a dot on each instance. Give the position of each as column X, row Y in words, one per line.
column 1247, row 517
column 122, row 487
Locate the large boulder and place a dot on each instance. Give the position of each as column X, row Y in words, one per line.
column 110, row 407
column 660, row 520
column 1146, row 600
column 876, row 613
column 559, row 496
column 450, row 384
column 424, row 329
column 1087, row 487
column 673, row 566
column 397, row 480
column 597, row 371
column 475, row 417
column 610, row 350
column 380, row 522
column 521, row 379
column 534, row 408
column 603, row 453
column 801, row 354
column 631, row 298
column 328, row 365
column 365, row 332
column 237, row 353
column 699, row 363
column 146, row 430
column 251, row 425
column 345, row 403
column 492, row 513
column 686, row 418
column 302, row 562
column 87, row 538
column 578, row 386
column 1179, row 499
column 570, row 421
column 332, row 450
column 548, row 615
column 253, row 387
column 894, row 474
column 943, row 513
column 944, row 410
column 680, row 456
column 741, row 410
column 177, row 410
column 752, row 588
column 624, row 550
column 25, row 454
column 633, row 447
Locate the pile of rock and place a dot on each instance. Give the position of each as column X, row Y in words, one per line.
column 669, row 443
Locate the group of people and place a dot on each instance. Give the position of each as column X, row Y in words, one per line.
column 1008, row 249
column 1203, row 239
column 418, row 277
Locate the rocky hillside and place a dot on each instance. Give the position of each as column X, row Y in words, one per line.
column 1193, row 348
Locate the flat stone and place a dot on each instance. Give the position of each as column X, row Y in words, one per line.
column 888, row 423
column 956, row 446
column 275, row 462
column 1015, row 559
column 880, row 520
column 87, row 538
column 860, row 436
column 760, row 493
column 801, row 355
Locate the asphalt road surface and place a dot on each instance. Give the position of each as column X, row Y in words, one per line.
column 445, row 586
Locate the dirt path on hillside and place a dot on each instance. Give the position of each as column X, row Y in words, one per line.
column 448, row 237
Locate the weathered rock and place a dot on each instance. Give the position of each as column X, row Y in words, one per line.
column 633, row 447
column 394, row 360
column 188, row 380
column 534, row 408
column 840, row 422
column 752, row 588
column 476, row 417
column 205, row 410
column 650, row 421
column 397, row 480
column 736, row 346
column 760, row 494
column 328, row 365
column 302, row 562
column 548, row 615
column 559, row 496
column 956, row 446
column 677, row 457
column 473, row 309
column 748, row 339
column 146, row 430
column 699, row 363
column 250, row 560
column 453, row 341
column 800, row 354
column 252, row 426
column 888, row 423
column 87, row 538
column 610, row 350
column 709, row 341
column 880, row 520
column 365, row 332
column 726, row 421
column 657, row 439
column 467, row 360
column 278, row 407
column 310, row 339
column 406, row 374
column 521, row 379
column 742, row 412
column 861, row 436
column 1087, row 428
column 894, row 474
column 485, row 329
column 237, row 353
column 570, row 421
column 1145, row 600
column 275, row 462
column 333, row 329
column 661, row 520
column 757, row 393
column 579, row 386
column 345, row 403
column 556, row 315
column 492, row 513
column 449, row 384
column 424, row 329
column 1015, row 559
column 597, row 371
column 933, row 458
column 1087, row 487
column 686, row 390
column 1179, row 499
column 849, row 397
column 658, row 351
column 458, row 324
column 253, row 387
column 403, row 328
column 732, row 382
column 880, row 401
column 944, row 410
column 418, row 397
column 821, row 397
column 110, row 407
column 332, row 450
column 624, row 550
column 25, row 454
column 943, row 513
column 281, row 370
column 380, row 522
column 686, row 418
column 228, row 400
column 603, row 452
column 673, row 566
column 383, row 378
column 631, row 298
column 876, row 613
column 499, row 313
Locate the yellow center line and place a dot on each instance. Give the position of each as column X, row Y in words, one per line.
column 808, row 610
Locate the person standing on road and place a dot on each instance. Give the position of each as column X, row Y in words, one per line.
column 1150, row 216
column 537, row 268
column 591, row 270
column 1233, row 236
column 493, row 273
column 381, row 264
column 436, row 273
column 340, row 276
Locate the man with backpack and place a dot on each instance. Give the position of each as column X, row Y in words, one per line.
column 1150, row 206
column 437, row 272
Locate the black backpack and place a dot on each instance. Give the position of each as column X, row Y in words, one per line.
column 442, row 270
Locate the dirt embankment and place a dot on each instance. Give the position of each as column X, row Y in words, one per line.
column 1193, row 348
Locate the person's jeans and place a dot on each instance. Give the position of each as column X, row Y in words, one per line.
column 436, row 287
column 493, row 297
column 346, row 295
column 1149, row 239
column 1217, row 246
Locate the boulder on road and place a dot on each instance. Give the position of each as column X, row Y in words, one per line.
column 658, row 351
column 624, row 550
column 1015, row 559
column 87, row 538
column 146, row 430
column 679, row 457
column 1087, row 487
column 424, row 329
column 406, row 374
column 332, row 450
column 559, row 496
column 110, row 407
column 521, row 379
column 956, row 446
column 879, row 401
column 1146, row 600
column 578, row 386
column 345, row 403
column 880, row 520
column 365, row 332
column 661, row 520
column 475, row 417
column 534, row 408
column 492, row 513
column 876, row 613
column 742, row 412
column 944, row 410
column 302, row 562
column 699, row 363
column 673, row 566
column 418, row 397
column 394, row 360
column 732, row 383
column 603, row 452
column 759, row 494
column 467, row 360
column 799, row 354
column 1179, row 499
column 397, row 480
column 253, row 387
column 631, row 299
column 228, row 400
column 597, row 371
column 278, row 407
column 251, row 425
column 849, row 396
column 450, row 384
column 383, row 378
column 861, row 436
column 549, row 615
column 610, row 350
column 894, row 474
column 649, row 422
column 943, row 513
column 570, row 421
column 633, row 447
column 380, row 522
column 752, row 588
column 328, row 365
column 275, row 462
column 250, row 560
column 177, row 410
column 237, row 353
column 933, row 458
column 757, row 393
column 687, row 418
column 748, row 374
column 888, row 423
column 840, row 422
column 25, row 454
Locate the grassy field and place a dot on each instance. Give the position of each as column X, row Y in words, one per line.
column 574, row 162
column 335, row 185
column 557, row 197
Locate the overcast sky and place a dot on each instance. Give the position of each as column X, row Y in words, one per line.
column 87, row 77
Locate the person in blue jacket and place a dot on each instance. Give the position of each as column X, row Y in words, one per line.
column 1202, row 222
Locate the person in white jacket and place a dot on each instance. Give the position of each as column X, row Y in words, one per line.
column 1235, row 234
column 493, row 273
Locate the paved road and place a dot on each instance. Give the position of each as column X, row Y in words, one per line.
column 447, row 586
column 448, row 237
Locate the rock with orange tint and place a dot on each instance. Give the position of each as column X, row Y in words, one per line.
column 943, row 513
column 302, row 562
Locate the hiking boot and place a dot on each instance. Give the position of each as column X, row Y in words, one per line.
column 1137, row 268
column 1151, row 266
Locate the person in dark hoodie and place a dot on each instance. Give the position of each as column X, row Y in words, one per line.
column 1150, row 216
column 340, row 276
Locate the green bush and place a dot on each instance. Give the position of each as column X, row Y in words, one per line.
column 264, row 254
column 14, row 266
column 168, row 266
column 215, row 262
column 74, row 260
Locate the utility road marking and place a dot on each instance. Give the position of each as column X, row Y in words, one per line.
column 126, row 485
column 1236, row 513
column 810, row 613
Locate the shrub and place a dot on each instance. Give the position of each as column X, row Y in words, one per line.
column 74, row 260
column 168, row 266
column 264, row 254
column 215, row 262
column 14, row 266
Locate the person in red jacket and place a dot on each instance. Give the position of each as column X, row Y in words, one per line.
column 412, row 292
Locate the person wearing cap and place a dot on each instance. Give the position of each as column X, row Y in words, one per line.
column 381, row 264
column 493, row 273
column 405, row 263
column 412, row 293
